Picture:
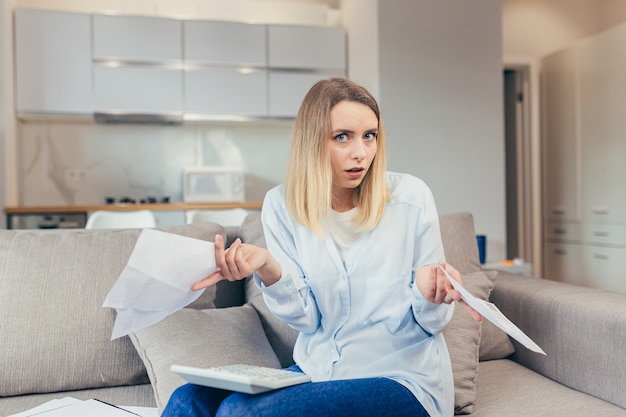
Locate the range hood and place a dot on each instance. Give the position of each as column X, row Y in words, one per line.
column 139, row 118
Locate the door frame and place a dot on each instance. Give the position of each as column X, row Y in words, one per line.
column 529, row 179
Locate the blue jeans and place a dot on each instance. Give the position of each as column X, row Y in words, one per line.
column 380, row 397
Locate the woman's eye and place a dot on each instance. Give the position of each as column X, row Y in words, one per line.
column 371, row 135
column 342, row 137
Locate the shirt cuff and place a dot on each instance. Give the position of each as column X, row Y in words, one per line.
column 284, row 287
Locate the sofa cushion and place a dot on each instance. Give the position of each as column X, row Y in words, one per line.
column 581, row 330
column 54, row 333
column 494, row 343
column 463, row 339
column 507, row 389
column 201, row 338
column 459, row 241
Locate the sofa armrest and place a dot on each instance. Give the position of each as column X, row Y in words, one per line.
column 581, row 329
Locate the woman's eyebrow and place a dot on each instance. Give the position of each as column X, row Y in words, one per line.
column 341, row 131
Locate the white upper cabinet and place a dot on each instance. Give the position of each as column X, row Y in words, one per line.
column 225, row 92
column 137, row 38
column 299, row 56
column 286, row 91
column 137, row 64
column 225, row 71
column 121, row 65
column 138, row 89
column 307, row 47
column 225, row 43
column 53, row 62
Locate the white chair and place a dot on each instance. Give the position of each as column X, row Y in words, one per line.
column 103, row 219
column 227, row 217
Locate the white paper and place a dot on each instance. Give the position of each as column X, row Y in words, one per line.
column 143, row 411
column 91, row 408
column 50, row 405
column 53, row 405
column 493, row 314
column 157, row 279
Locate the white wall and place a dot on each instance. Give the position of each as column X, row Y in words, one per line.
column 360, row 19
column 535, row 28
column 441, row 96
column 2, row 128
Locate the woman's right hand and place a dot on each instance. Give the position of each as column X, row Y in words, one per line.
column 239, row 261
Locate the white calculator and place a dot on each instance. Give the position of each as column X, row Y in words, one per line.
column 250, row 379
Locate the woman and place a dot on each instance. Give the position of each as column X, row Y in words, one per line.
column 352, row 264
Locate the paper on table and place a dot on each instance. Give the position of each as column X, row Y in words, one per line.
column 91, row 408
column 157, row 279
column 494, row 315
column 50, row 405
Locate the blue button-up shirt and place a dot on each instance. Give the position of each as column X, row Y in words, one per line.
column 362, row 316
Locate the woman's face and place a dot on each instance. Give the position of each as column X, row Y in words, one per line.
column 354, row 128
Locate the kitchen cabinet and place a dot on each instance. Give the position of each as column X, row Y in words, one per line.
column 286, row 91
column 53, row 62
column 119, row 65
column 562, row 166
column 307, row 47
column 225, row 69
column 603, row 267
column 225, row 91
column 565, row 263
column 234, row 44
column 299, row 56
column 585, row 162
column 603, row 126
column 138, row 89
column 137, row 38
column 137, row 65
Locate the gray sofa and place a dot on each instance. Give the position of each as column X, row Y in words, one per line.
column 54, row 334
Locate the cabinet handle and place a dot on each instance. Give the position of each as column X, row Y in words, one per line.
column 601, row 233
column 560, row 252
column 601, row 256
column 558, row 210
column 600, row 211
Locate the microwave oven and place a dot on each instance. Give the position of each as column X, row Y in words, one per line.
column 213, row 184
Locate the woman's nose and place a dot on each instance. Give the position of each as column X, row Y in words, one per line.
column 358, row 150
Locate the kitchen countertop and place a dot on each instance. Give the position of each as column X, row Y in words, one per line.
column 84, row 210
column 176, row 206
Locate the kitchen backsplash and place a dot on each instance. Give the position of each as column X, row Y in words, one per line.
column 75, row 163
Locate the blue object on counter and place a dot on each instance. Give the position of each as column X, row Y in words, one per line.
column 482, row 248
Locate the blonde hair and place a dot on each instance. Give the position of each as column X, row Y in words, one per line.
column 308, row 187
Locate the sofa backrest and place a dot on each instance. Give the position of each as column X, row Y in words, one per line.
column 54, row 333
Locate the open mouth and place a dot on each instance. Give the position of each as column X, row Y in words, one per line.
column 355, row 173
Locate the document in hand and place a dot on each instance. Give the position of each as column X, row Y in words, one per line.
column 157, row 279
column 494, row 315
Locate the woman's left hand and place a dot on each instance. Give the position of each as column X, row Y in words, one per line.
column 436, row 287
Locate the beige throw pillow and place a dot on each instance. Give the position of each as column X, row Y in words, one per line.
column 463, row 339
column 201, row 338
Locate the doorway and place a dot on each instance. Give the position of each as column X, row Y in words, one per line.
column 522, row 195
